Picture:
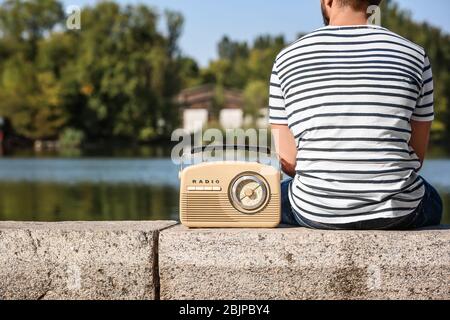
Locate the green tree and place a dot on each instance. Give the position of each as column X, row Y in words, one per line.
column 116, row 78
column 29, row 94
column 256, row 96
column 239, row 63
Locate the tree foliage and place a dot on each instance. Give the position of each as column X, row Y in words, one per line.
column 114, row 78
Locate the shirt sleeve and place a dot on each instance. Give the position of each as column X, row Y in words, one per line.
column 424, row 110
column 277, row 110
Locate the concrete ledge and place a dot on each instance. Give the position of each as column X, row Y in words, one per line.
column 79, row 260
column 125, row 260
column 303, row 264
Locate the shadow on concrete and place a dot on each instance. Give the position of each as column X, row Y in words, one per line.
column 437, row 228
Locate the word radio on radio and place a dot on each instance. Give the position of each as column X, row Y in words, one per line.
column 205, row 181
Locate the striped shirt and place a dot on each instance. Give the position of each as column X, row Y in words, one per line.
column 348, row 95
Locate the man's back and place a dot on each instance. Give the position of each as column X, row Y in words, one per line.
column 348, row 95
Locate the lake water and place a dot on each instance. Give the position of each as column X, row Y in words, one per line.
column 111, row 188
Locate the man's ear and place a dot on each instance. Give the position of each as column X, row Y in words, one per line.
column 328, row 4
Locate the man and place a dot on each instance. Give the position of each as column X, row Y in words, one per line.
column 351, row 107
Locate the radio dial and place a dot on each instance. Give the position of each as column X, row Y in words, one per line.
column 249, row 193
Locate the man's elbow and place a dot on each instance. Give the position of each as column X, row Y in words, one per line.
column 288, row 167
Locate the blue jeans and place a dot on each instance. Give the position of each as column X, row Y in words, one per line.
column 428, row 214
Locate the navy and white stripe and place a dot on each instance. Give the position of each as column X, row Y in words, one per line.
column 348, row 94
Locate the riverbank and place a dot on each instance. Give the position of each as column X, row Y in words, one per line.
column 163, row 260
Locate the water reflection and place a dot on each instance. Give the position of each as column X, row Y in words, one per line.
column 40, row 201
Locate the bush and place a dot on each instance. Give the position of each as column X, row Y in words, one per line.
column 71, row 138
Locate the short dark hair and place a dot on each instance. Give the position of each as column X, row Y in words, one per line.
column 360, row 4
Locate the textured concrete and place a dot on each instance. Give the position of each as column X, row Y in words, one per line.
column 79, row 260
column 303, row 264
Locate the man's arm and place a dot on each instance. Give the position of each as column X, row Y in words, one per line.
column 286, row 148
column 284, row 140
column 420, row 138
column 423, row 115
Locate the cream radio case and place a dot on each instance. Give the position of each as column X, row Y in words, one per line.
column 230, row 194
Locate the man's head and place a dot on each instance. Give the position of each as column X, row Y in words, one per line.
column 332, row 7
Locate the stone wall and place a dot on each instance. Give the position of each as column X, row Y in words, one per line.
column 303, row 264
column 79, row 260
column 162, row 260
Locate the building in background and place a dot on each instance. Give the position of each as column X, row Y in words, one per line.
column 199, row 106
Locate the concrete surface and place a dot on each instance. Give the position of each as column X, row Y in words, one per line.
column 79, row 260
column 303, row 264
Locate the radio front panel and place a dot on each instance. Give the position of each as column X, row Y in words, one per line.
column 230, row 194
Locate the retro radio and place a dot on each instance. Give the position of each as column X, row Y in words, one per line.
column 230, row 194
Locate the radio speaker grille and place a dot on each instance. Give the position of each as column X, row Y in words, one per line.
column 203, row 207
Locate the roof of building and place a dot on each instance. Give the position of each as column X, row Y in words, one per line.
column 198, row 97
